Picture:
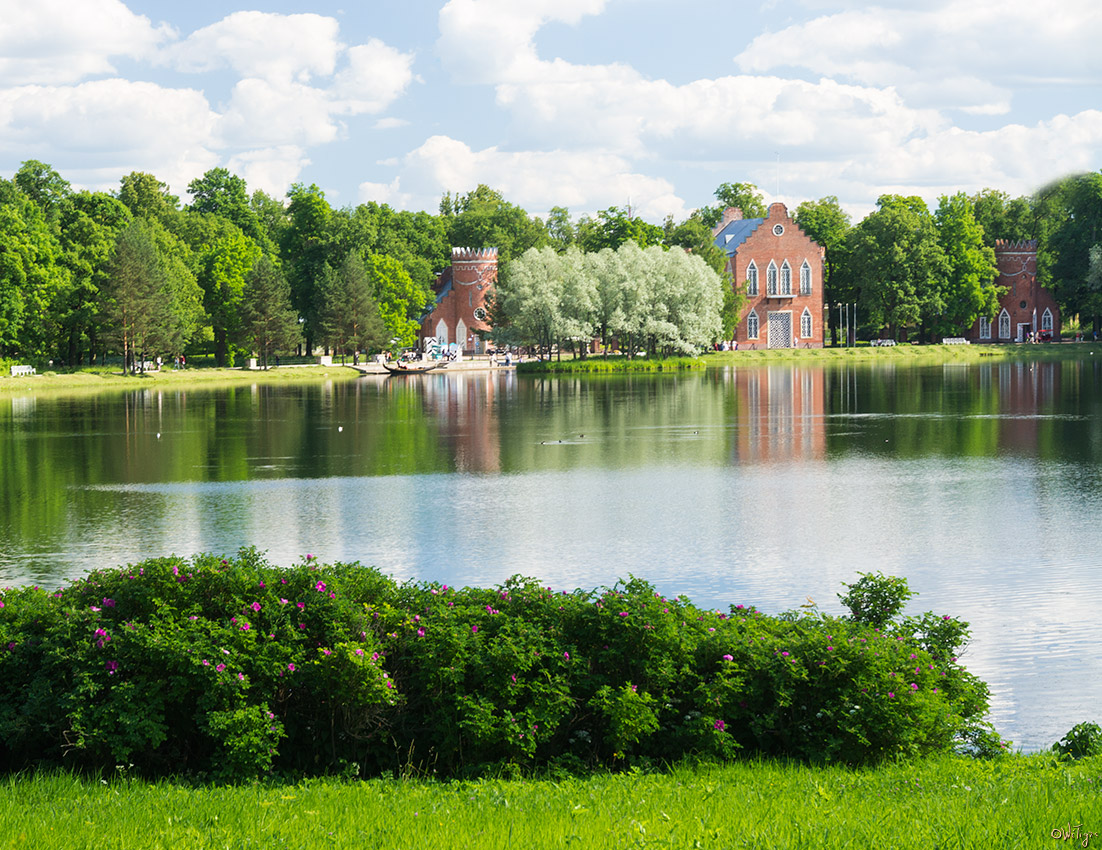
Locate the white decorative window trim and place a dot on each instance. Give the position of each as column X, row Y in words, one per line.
column 752, row 279
column 786, row 278
column 1004, row 325
column 805, row 278
column 806, row 330
column 1046, row 320
column 985, row 327
column 753, row 326
column 771, row 279
column 778, row 229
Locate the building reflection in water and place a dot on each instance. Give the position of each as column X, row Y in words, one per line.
column 779, row 413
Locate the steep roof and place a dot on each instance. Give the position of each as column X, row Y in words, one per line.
column 735, row 233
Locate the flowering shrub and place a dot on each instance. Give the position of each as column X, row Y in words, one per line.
column 235, row 668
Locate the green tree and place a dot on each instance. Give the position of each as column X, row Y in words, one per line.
column 89, row 224
column 269, row 322
column 133, row 297
column 969, row 290
column 147, row 197
column 222, row 257
column 484, row 219
column 39, row 182
column 31, row 276
column 614, row 227
column 305, row 250
column 271, row 215
column 828, row 224
column 1070, row 219
column 220, row 193
column 350, row 316
column 399, row 300
column 1003, row 217
column 560, row 230
column 744, row 196
column 893, row 259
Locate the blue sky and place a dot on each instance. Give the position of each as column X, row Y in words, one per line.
column 578, row 103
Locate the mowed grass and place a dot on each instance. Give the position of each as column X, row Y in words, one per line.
column 104, row 378
column 947, row 802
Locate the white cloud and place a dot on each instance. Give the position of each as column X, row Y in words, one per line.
column 487, row 41
column 51, row 42
column 267, row 46
column 584, row 181
column 967, row 54
column 271, row 170
column 262, row 113
column 376, row 76
column 137, row 125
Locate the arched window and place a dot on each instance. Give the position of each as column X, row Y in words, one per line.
column 1004, row 325
column 771, row 279
column 805, row 324
column 461, row 334
column 1046, row 320
column 786, row 278
column 805, row 279
column 442, row 332
column 752, row 325
column 985, row 327
column 752, row 279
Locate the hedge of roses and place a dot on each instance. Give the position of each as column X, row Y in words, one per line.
column 234, row 668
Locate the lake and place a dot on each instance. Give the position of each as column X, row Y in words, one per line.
column 767, row 485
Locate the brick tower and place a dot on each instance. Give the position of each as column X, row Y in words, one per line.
column 461, row 292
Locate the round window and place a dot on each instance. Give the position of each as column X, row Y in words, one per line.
column 479, row 314
column 1021, row 304
column 778, row 229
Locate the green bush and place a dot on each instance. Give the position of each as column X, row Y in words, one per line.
column 1081, row 741
column 235, row 668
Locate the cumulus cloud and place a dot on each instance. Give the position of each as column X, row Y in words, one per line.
column 584, row 181
column 270, row 170
column 951, row 54
column 262, row 45
column 376, row 76
column 50, row 42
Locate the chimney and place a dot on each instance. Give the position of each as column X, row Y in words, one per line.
column 729, row 214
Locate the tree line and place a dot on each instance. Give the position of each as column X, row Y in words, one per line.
column 84, row 275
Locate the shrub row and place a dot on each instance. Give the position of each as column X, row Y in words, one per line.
column 617, row 363
column 235, row 668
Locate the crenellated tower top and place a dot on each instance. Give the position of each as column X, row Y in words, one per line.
column 474, row 254
column 1015, row 245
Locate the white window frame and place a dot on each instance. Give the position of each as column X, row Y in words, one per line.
column 752, row 279
column 1046, row 320
column 985, row 327
column 805, row 278
column 1004, row 324
column 786, row 278
column 753, row 325
column 806, row 325
column 771, row 279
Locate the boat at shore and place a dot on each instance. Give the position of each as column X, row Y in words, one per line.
column 401, row 368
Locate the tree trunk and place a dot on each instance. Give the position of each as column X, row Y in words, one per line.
column 220, row 347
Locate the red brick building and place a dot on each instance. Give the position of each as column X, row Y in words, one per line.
column 460, row 307
column 780, row 270
column 1027, row 306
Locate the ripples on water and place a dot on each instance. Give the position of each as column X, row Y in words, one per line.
column 754, row 486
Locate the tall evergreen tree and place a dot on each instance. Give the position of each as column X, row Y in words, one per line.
column 269, row 321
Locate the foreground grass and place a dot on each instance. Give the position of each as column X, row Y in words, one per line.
column 94, row 379
column 948, row 802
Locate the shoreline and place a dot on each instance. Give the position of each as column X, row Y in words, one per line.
column 93, row 379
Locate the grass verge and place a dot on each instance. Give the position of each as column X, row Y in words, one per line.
column 949, row 801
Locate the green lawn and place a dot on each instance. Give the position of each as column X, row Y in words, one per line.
column 947, row 802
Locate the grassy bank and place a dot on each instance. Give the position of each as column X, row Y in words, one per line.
column 1011, row 802
column 93, row 379
column 899, row 354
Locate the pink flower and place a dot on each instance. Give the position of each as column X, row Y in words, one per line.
column 420, row 633
column 891, row 694
column 112, row 666
column 245, row 627
column 320, row 587
column 566, row 656
column 291, row 667
column 220, row 667
column 300, row 604
column 255, row 606
column 108, row 603
column 623, row 613
column 241, row 677
column 914, row 687
column 283, row 601
column 728, row 658
column 720, row 725
column 474, row 629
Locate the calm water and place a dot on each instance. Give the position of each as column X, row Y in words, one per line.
column 980, row 484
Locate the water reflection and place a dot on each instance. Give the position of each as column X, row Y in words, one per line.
column 981, row 483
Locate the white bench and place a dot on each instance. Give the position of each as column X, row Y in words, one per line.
column 19, row 371
column 881, row 343
column 954, row 340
